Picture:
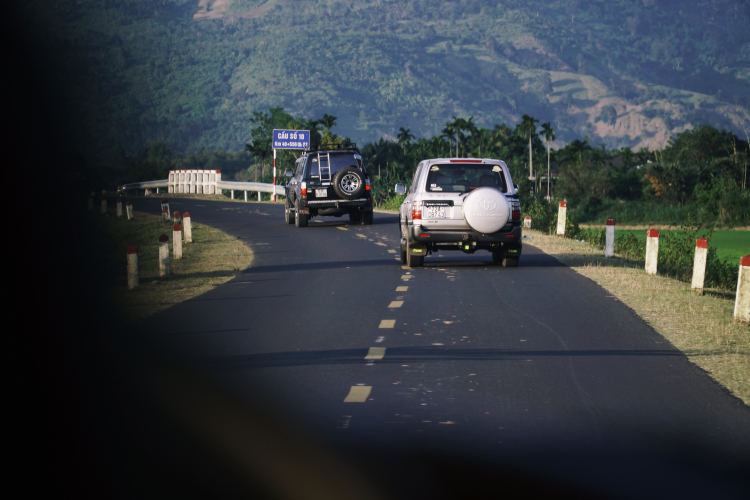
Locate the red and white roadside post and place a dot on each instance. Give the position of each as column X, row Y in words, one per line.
column 132, row 267
column 129, row 210
column 273, row 196
column 699, row 265
column 652, row 250
column 742, row 300
column 164, row 214
column 165, row 204
column 176, row 216
column 609, row 240
column 527, row 222
column 163, row 255
column 187, row 228
column 119, row 207
column 562, row 213
column 177, row 241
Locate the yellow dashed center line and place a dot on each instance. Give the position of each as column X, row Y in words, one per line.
column 402, row 288
column 342, row 228
column 406, row 277
column 389, row 251
column 361, row 235
column 383, row 245
column 387, row 323
column 375, row 353
column 405, row 267
column 358, row 394
column 396, row 303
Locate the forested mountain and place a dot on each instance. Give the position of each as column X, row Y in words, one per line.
column 191, row 73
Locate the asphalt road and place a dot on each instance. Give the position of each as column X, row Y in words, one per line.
column 534, row 369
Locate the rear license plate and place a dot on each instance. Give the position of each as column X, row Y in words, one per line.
column 435, row 212
column 321, row 193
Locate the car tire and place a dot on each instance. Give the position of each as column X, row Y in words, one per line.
column 367, row 218
column 355, row 216
column 497, row 256
column 413, row 260
column 510, row 261
column 288, row 214
column 349, row 183
column 300, row 220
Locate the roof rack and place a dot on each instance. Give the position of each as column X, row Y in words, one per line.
column 347, row 146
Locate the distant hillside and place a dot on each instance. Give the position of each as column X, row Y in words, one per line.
column 191, row 72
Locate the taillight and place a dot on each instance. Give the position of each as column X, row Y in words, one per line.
column 416, row 210
column 367, row 184
column 303, row 189
column 516, row 210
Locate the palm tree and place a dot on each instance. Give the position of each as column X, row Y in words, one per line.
column 404, row 137
column 328, row 121
column 549, row 135
column 449, row 132
column 528, row 127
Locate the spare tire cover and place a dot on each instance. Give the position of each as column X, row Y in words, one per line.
column 485, row 210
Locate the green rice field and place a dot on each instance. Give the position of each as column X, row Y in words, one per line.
column 730, row 245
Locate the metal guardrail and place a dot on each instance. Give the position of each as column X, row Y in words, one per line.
column 258, row 187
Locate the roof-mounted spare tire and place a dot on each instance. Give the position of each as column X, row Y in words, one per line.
column 349, row 183
column 485, row 210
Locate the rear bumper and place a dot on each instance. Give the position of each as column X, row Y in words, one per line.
column 360, row 202
column 508, row 234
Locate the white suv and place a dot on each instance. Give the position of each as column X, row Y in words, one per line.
column 465, row 204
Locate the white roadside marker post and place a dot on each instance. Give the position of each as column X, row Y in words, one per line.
column 652, row 250
column 245, row 195
column 163, row 255
column 176, row 216
column 177, row 241
column 132, row 267
column 187, row 227
column 129, row 210
column 164, row 215
column 742, row 300
column 165, row 205
column 119, row 207
column 232, row 193
column 259, row 196
column 527, row 222
column 609, row 242
column 561, row 216
column 699, row 265
column 104, row 206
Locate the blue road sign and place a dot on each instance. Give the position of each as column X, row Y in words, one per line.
column 291, row 139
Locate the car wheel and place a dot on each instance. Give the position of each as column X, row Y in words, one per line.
column 355, row 216
column 300, row 220
column 413, row 260
column 349, row 183
column 367, row 218
column 497, row 256
column 510, row 262
column 288, row 214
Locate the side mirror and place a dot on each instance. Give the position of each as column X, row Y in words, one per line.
column 288, row 173
column 400, row 189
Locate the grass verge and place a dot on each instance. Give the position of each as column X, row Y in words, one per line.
column 213, row 258
column 700, row 326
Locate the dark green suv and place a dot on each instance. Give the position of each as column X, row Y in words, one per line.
column 329, row 180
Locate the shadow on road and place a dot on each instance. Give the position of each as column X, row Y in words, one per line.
column 408, row 354
column 317, row 266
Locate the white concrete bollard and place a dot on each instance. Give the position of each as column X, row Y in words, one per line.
column 104, row 205
column 119, row 207
column 148, row 191
column 527, row 222
column 609, row 240
column 699, row 265
column 562, row 213
column 742, row 300
column 163, row 255
column 652, row 251
column 91, row 203
column 245, row 195
column 260, row 198
column 177, row 241
column 132, row 267
column 176, row 217
column 165, row 205
column 164, row 214
column 187, row 229
column 232, row 193
column 129, row 210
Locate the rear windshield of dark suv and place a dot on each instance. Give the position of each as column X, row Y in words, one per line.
column 338, row 161
column 460, row 178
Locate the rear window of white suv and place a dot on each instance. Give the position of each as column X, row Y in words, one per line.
column 464, row 177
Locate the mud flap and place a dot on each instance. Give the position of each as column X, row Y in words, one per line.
column 418, row 250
